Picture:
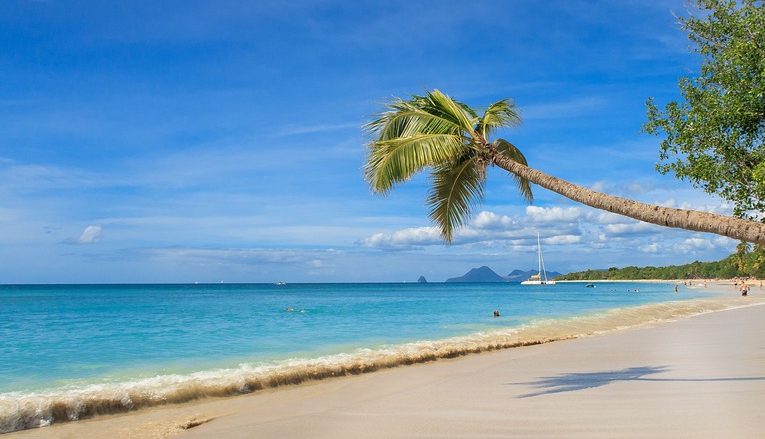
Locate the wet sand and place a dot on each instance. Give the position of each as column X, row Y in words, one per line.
column 702, row 376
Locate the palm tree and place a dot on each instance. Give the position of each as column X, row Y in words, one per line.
column 449, row 137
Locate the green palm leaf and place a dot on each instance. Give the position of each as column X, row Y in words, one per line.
column 446, row 107
column 396, row 160
column 499, row 114
column 511, row 151
column 423, row 131
column 408, row 121
column 457, row 187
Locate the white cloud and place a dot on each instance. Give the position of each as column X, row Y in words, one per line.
column 636, row 228
column 490, row 220
column 552, row 214
column 489, row 228
column 91, row 235
column 404, row 238
column 702, row 243
column 562, row 239
column 649, row 248
column 694, row 244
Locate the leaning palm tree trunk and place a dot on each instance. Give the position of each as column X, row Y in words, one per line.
column 731, row 227
column 435, row 131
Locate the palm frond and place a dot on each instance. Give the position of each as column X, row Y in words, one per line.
column 446, row 107
column 396, row 160
column 408, row 120
column 457, row 187
column 412, row 134
column 499, row 114
column 512, row 152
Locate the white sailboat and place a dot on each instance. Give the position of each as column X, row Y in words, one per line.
column 541, row 277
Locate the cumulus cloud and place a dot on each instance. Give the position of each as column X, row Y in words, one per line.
column 91, row 235
column 649, row 248
column 562, row 239
column 491, row 229
column 490, row 220
column 635, row 228
column 700, row 243
column 552, row 214
column 404, row 238
column 578, row 229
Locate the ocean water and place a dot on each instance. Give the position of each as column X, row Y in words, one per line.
column 72, row 351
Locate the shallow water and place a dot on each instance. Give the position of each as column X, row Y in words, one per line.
column 71, row 351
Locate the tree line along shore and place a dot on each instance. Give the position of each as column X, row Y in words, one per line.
column 745, row 262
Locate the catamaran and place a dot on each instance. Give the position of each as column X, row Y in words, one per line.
column 541, row 277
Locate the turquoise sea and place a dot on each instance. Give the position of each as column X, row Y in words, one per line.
column 82, row 345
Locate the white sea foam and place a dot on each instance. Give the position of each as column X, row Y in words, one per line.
column 30, row 410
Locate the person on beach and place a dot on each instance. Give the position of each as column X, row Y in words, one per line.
column 744, row 289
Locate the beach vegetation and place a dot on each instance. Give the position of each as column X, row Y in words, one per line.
column 714, row 135
column 745, row 262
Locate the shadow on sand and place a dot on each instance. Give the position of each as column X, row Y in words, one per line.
column 569, row 382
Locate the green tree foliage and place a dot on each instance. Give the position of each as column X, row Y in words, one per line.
column 745, row 262
column 714, row 136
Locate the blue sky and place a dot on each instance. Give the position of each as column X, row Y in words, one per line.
column 188, row 141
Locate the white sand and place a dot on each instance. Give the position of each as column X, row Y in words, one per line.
column 697, row 377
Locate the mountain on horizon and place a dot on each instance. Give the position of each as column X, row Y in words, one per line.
column 486, row 274
column 520, row 275
column 480, row 274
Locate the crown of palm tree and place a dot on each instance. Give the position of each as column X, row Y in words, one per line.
column 437, row 132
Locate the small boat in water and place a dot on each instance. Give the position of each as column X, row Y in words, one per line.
column 590, row 286
column 541, row 277
column 280, row 284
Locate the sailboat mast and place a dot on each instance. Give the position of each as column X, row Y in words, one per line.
column 542, row 262
column 539, row 257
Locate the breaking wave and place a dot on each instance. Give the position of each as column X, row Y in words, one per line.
column 30, row 410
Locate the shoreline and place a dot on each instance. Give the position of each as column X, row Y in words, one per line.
column 400, row 402
column 231, row 383
column 714, row 282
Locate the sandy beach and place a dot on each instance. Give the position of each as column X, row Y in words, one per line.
column 700, row 376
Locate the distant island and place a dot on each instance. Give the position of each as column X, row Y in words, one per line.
column 742, row 264
column 422, row 280
column 486, row 274
column 480, row 274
